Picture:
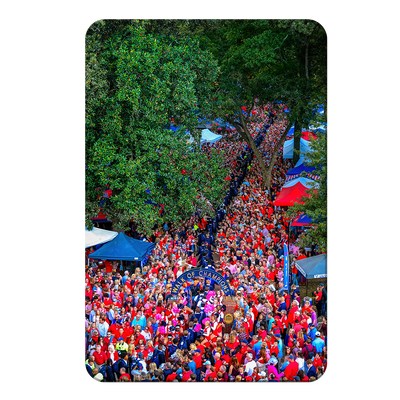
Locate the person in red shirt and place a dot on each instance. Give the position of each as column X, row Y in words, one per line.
column 197, row 359
column 100, row 357
column 292, row 369
column 218, row 361
column 114, row 328
column 112, row 354
column 292, row 311
column 107, row 301
column 109, row 266
column 109, row 339
column 186, row 373
column 301, row 256
column 274, row 350
column 128, row 329
column 270, row 297
column 171, row 377
column 124, row 375
column 317, row 362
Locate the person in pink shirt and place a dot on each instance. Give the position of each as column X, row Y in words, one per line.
column 271, row 258
column 232, row 267
column 271, row 369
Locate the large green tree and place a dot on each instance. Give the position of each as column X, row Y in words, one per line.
column 315, row 206
column 267, row 60
column 137, row 83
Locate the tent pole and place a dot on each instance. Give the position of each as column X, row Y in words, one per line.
column 306, row 287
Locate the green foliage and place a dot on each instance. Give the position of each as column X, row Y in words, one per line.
column 315, row 206
column 137, row 83
column 268, row 60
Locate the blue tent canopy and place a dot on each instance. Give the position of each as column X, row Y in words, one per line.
column 123, row 248
column 301, row 168
column 291, row 131
column 313, row 267
column 301, row 220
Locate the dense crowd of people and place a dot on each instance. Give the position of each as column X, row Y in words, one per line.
column 136, row 330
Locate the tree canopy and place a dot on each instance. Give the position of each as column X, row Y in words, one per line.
column 144, row 75
column 315, row 206
column 268, row 61
column 137, row 84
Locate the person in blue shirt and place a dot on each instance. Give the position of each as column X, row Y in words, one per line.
column 139, row 320
column 92, row 314
column 257, row 345
column 192, row 364
column 103, row 327
column 155, row 325
column 271, row 320
column 125, row 278
column 312, row 330
column 280, row 345
column 318, row 342
column 282, row 306
column 311, row 371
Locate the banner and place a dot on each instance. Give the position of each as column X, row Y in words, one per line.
column 286, row 267
column 202, row 273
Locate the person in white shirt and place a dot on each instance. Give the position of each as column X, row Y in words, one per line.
column 112, row 353
column 146, row 333
column 251, row 364
column 300, row 360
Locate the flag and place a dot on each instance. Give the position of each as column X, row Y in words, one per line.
column 285, row 267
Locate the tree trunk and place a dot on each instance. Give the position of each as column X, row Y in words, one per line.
column 259, row 157
column 243, row 130
column 297, row 136
column 275, row 154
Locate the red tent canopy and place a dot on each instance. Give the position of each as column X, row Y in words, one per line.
column 307, row 134
column 289, row 196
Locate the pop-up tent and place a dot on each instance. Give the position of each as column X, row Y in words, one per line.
column 289, row 145
column 304, row 143
column 209, row 137
column 123, row 248
column 222, row 124
column 312, row 267
column 301, row 220
column 98, row 236
column 292, row 191
column 298, row 170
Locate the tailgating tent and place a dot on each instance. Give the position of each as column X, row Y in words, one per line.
column 301, row 220
column 304, row 144
column 292, row 192
column 209, row 137
column 98, row 236
column 312, row 267
column 123, row 248
column 298, row 170
column 289, row 145
column 289, row 197
column 221, row 124
column 291, row 131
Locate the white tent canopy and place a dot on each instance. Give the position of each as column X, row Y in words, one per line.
column 288, row 147
column 98, row 236
column 209, row 137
